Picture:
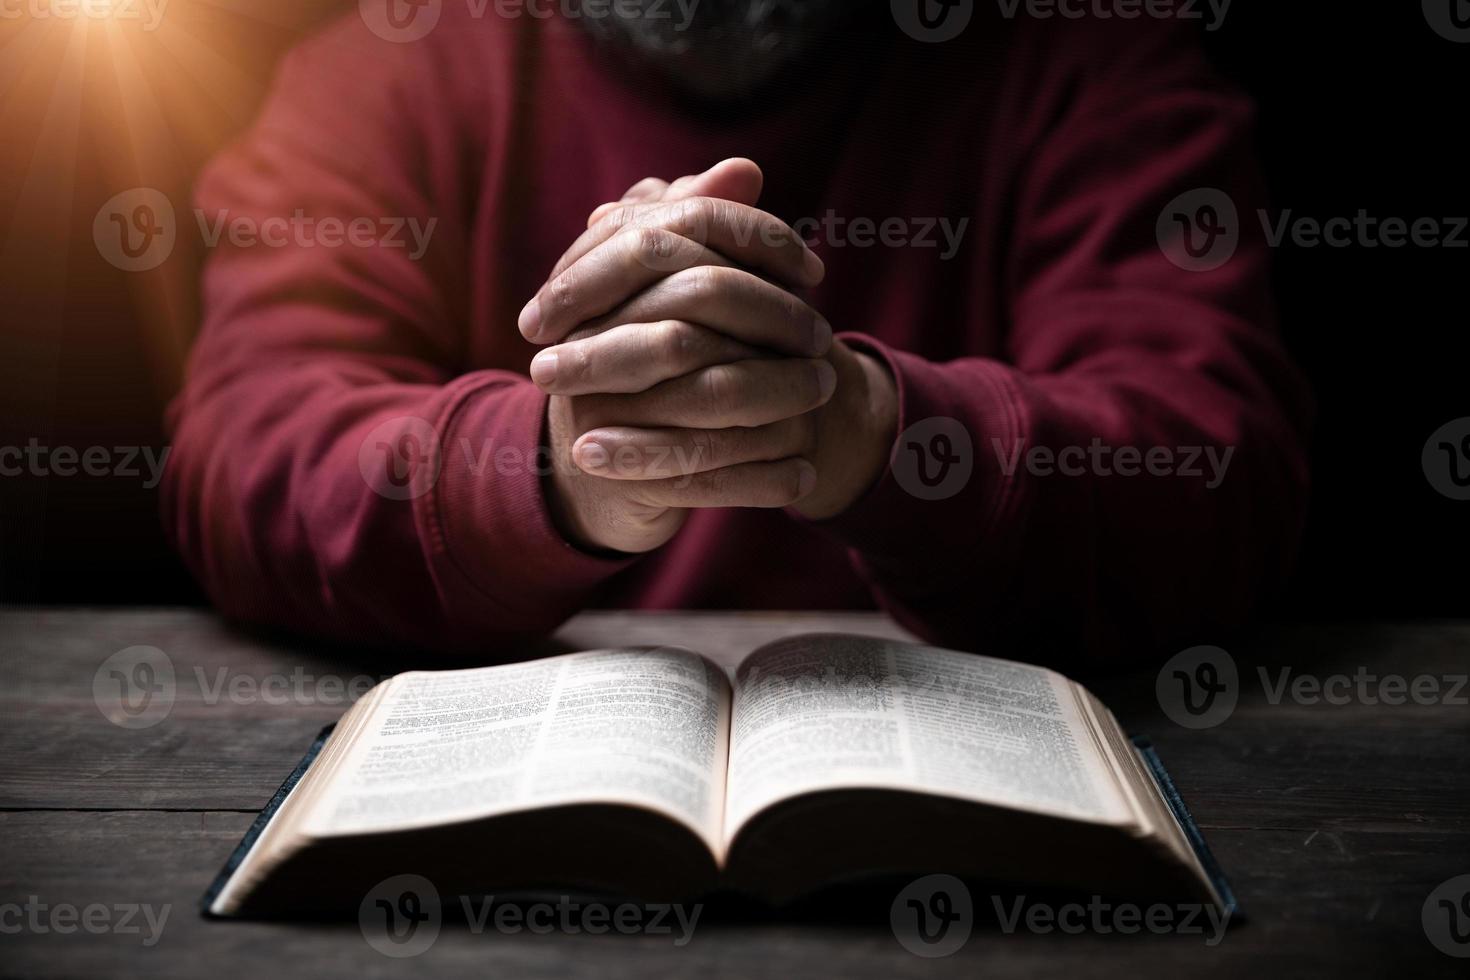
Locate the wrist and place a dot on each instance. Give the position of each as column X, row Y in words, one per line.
column 593, row 514
column 856, row 433
column 562, row 485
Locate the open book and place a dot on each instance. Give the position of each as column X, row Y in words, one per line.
column 646, row 772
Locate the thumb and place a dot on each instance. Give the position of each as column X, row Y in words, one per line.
column 736, row 179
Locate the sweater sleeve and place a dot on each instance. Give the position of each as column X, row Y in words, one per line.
column 1130, row 473
column 333, row 468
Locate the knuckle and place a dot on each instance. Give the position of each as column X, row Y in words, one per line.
column 702, row 217
column 701, row 283
column 723, row 279
column 741, row 445
column 704, row 447
column 717, row 483
column 651, row 245
column 715, row 209
column 561, row 295
column 627, row 215
column 729, row 212
column 646, row 186
column 692, row 216
column 678, row 341
column 745, row 224
column 574, row 361
column 719, row 390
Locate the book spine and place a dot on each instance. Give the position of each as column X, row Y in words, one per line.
column 257, row 826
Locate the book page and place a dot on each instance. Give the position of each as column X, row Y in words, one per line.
column 846, row 712
column 644, row 726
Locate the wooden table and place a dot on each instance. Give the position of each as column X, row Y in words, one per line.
column 1334, row 822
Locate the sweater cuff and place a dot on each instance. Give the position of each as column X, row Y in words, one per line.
column 489, row 527
column 945, row 490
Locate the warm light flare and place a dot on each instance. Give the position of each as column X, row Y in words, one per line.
column 100, row 98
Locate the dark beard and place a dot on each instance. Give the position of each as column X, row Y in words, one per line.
column 717, row 50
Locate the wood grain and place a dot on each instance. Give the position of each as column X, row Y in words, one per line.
column 1335, row 822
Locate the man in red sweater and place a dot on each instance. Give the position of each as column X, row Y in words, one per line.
column 939, row 351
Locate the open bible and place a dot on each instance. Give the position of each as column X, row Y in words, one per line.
column 647, row 772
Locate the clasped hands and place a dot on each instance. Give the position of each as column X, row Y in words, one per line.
column 685, row 370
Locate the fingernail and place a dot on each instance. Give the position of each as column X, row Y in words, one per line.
column 808, row 480
column 530, row 320
column 826, row 379
column 813, row 267
column 591, row 456
column 543, row 368
column 821, row 335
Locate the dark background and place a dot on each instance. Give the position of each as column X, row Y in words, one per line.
column 1357, row 110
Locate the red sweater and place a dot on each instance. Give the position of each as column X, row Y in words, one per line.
column 1059, row 323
